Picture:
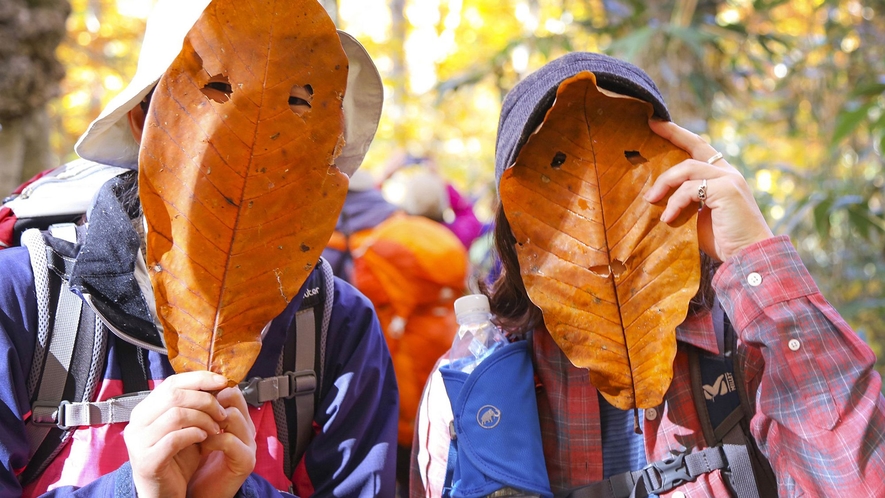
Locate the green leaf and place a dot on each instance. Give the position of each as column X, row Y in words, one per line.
column 821, row 216
column 869, row 90
column 631, row 44
column 859, row 223
column 865, row 220
column 696, row 39
column 796, row 211
column 848, row 121
column 767, row 4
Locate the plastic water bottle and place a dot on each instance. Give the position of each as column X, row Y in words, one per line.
column 477, row 336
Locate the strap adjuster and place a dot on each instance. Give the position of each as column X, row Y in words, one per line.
column 46, row 414
column 258, row 390
column 664, row 475
column 301, row 382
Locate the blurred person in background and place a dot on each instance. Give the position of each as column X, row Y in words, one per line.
column 423, row 191
column 412, row 268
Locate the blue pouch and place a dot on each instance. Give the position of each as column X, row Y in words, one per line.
column 497, row 432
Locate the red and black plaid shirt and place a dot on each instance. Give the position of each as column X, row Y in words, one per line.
column 819, row 410
column 820, row 414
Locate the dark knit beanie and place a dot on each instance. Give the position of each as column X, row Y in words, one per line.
column 527, row 103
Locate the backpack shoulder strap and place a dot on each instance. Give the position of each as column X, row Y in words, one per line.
column 69, row 350
column 303, row 364
column 724, row 409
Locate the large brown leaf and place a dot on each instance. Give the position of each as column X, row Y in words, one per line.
column 240, row 193
column 613, row 282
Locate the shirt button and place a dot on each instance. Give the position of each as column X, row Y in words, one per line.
column 794, row 344
column 678, row 494
column 754, row 279
column 651, row 414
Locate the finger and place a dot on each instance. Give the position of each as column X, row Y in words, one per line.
column 232, row 396
column 240, row 425
column 239, row 456
column 225, row 442
column 173, row 443
column 176, row 392
column 686, row 195
column 238, row 420
column 157, row 403
column 201, row 380
column 679, row 174
column 682, row 138
column 175, row 419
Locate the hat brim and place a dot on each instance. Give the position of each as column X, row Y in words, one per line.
column 109, row 139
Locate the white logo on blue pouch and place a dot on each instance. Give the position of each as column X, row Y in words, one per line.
column 488, row 417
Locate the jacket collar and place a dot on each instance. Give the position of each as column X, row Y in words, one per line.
column 103, row 273
column 697, row 330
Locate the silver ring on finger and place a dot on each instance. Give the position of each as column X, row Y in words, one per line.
column 702, row 193
column 717, row 156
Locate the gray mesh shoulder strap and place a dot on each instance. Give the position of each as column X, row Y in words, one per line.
column 302, row 365
column 68, row 353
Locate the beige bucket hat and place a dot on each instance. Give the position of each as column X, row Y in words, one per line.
column 108, row 139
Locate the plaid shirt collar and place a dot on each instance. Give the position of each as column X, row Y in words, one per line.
column 695, row 330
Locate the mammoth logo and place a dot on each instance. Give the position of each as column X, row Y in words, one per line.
column 488, row 416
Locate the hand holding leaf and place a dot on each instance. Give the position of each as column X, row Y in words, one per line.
column 612, row 280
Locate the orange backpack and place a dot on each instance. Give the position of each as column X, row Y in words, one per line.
column 412, row 269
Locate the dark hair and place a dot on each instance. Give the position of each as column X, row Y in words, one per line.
column 517, row 314
column 127, row 193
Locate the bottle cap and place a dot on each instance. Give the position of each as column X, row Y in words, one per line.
column 474, row 303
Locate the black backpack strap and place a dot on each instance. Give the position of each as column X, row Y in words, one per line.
column 69, row 352
column 725, row 409
column 766, row 481
column 133, row 370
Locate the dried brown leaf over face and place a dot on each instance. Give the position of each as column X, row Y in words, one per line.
column 612, row 281
column 237, row 177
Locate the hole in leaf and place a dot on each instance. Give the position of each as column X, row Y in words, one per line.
column 634, row 157
column 218, row 88
column 300, row 98
column 601, row 270
column 558, row 160
column 618, row 268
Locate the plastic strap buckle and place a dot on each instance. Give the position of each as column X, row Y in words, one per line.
column 258, row 390
column 664, row 475
column 252, row 391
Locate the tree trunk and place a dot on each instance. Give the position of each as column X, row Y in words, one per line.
column 30, row 31
column 24, row 149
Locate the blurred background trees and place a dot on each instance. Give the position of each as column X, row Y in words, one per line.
column 793, row 92
column 30, row 31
